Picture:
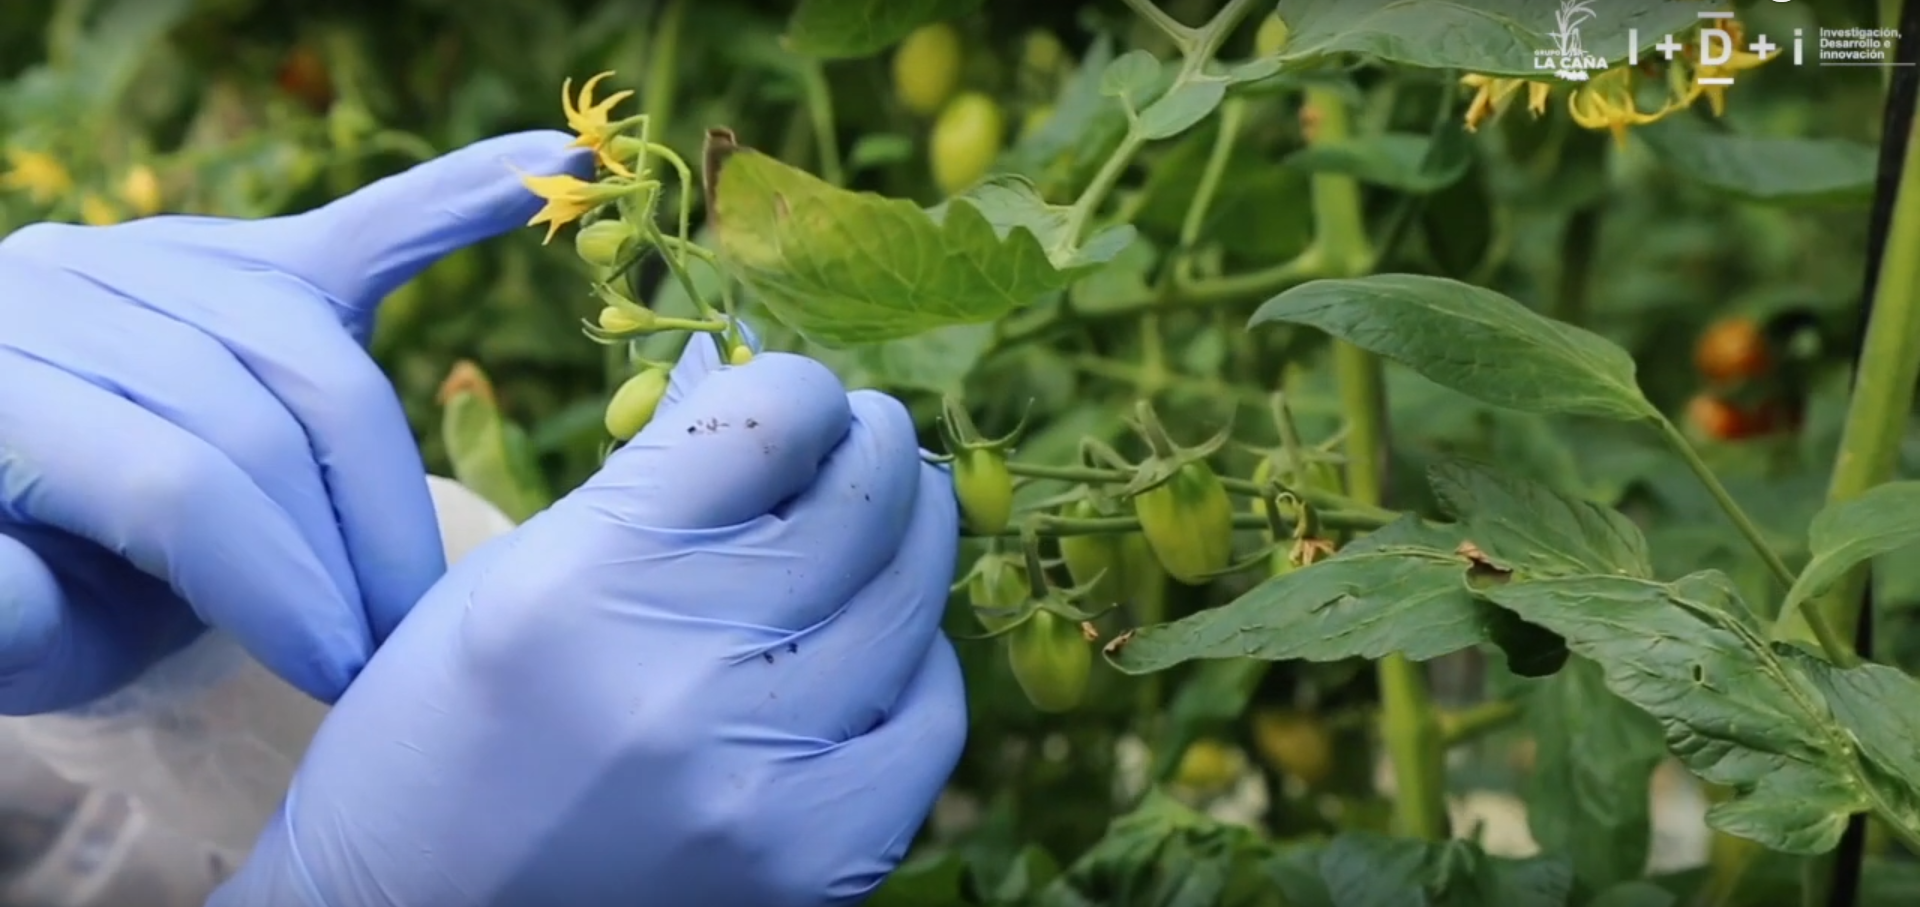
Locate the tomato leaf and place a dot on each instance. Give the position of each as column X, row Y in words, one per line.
column 1535, row 531
column 1401, row 589
column 1177, row 110
column 1884, row 518
column 1472, row 340
column 1588, row 793
column 846, row 29
column 1495, row 37
column 1762, row 169
column 843, row 268
column 938, row 361
column 1135, row 78
column 1739, row 713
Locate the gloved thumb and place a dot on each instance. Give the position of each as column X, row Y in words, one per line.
column 363, row 246
column 698, row 359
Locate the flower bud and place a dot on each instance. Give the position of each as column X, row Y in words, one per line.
column 603, row 244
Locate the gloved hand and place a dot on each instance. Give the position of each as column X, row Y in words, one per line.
column 191, row 432
column 713, row 675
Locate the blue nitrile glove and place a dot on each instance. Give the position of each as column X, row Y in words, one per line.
column 191, row 432
column 713, row 675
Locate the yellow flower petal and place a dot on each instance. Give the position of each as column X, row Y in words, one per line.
column 1537, row 93
column 590, row 120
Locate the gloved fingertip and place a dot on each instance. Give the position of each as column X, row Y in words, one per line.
column 702, row 357
column 362, row 246
column 31, row 604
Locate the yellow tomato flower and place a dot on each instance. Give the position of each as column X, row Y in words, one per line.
column 97, row 211
column 1607, row 102
column 568, row 199
column 38, row 174
column 589, row 120
column 140, row 188
column 1492, row 94
column 1742, row 59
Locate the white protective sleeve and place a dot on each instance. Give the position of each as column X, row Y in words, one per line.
column 199, row 751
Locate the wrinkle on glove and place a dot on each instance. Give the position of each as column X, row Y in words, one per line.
column 193, row 435
column 714, row 674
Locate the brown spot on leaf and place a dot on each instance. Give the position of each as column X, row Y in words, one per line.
column 1482, row 570
column 1117, row 643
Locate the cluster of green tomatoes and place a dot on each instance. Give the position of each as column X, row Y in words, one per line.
column 1120, row 539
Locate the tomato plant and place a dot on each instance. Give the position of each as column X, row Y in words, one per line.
column 1394, row 472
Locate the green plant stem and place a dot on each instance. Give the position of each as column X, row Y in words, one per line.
column 1198, row 46
column 1742, row 522
column 1232, row 114
column 1081, row 214
column 1409, row 725
column 1322, row 499
column 1883, row 393
column 1183, row 36
column 1836, row 649
column 663, row 64
column 1470, row 724
column 820, row 107
column 1046, row 525
column 1129, row 373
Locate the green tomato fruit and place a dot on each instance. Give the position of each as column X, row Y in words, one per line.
column 967, row 138
column 985, row 489
column 999, row 581
column 1188, row 521
column 741, row 354
column 634, row 403
column 1041, row 53
column 1272, row 36
column 926, row 67
column 1051, row 660
column 1094, row 558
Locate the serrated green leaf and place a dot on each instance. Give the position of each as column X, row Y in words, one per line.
column 1472, row 340
column 938, row 361
column 1762, row 169
column 1008, row 201
column 1587, row 796
column 1177, row 110
column 1361, row 869
column 1496, row 37
column 1366, row 602
column 846, row 29
column 1134, row 77
column 1885, row 518
column 842, row 268
column 1535, row 531
column 1693, row 655
column 1874, row 703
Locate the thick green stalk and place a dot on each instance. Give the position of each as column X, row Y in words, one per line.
column 1882, row 392
column 1410, row 726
